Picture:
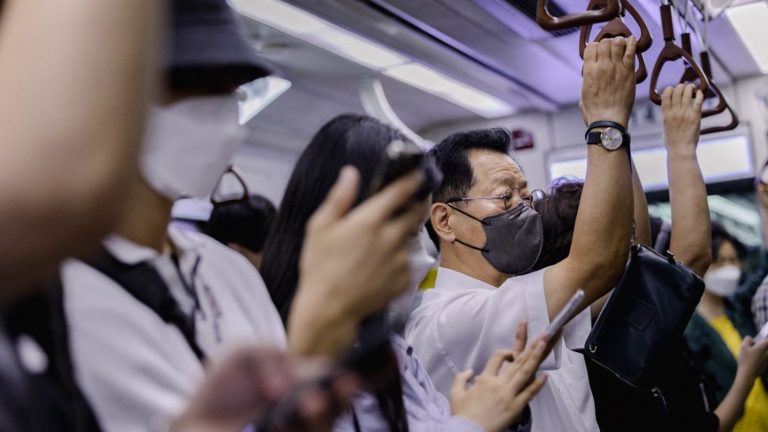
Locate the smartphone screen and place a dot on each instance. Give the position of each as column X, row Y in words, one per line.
column 567, row 312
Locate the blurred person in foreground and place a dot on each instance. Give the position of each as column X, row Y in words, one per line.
column 140, row 322
column 64, row 162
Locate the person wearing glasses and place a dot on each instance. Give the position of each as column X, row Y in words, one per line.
column 490, row 237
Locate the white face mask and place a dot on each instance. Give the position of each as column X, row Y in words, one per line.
column 420, row 262
column 723, row 281
column 189, row 145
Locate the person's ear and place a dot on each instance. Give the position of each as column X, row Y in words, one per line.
column 440, row 214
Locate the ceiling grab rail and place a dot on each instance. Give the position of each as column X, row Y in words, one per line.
column 548, row 22
column 616, row 28
column 689, row 76
column 671, row 52
column 707, row 68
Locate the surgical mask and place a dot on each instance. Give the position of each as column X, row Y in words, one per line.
column 189, row 144
column 513, row 239
column 420, row 262
column 723, row 281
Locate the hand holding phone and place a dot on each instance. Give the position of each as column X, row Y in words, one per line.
column 399, row 159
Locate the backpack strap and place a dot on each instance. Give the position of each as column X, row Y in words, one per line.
column 60, row 402
column 145, row 284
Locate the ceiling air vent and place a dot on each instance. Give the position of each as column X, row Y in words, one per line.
column 520, row 17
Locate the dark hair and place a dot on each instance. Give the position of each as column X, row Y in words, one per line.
column 346, row 140
column 720, row 236
column 244, row 222
column 451, row 156
column 558, row 217
column 354, row 140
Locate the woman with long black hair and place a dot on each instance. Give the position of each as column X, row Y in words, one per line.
column 405, row 398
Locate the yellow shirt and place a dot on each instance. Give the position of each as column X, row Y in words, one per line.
column 755, row 418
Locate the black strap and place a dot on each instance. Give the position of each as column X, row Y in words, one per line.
column 605, row 124
column 59, row 402
column 355, row 420
column 146, row 285
column 83, row 416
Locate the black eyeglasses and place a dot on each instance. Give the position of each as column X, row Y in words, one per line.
column 230, row 200
column 508, row 196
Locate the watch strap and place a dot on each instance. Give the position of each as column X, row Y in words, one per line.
column 605, row 124
column 594, row 137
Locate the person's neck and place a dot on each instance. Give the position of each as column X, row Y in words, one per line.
column 471, row 263
column 146, row 218
column 711, row 306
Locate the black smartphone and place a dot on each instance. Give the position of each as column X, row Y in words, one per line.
column 401, row 158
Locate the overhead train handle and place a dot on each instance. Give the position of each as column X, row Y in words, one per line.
column 734, row 118
column 689, row 76
column 672, row 52
column 616, row 27
column 548, row 22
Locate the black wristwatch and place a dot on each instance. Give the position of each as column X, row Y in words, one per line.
column 613, row 137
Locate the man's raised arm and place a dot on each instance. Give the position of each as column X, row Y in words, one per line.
column 601, row 237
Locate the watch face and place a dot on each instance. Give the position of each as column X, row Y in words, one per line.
column 611, row 138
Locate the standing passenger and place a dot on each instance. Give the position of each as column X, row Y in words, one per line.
column 156, row 303
column 483, row 225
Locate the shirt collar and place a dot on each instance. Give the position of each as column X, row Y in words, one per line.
column 127, row 251
column 452, row 280
column 131, row 253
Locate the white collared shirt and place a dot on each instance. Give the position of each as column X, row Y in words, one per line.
column 137, row 371
column 462, row 321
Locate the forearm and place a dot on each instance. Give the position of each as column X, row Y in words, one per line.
column 732, row 407
column 641, row 217
column 319, row 332
column 690, row 241
column 74, row 78
column 602, row 233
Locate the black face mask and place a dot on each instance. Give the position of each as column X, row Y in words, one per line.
column 513, row 239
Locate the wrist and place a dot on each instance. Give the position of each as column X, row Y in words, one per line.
column 744, row 378
column 319, row 331
column 687, row 151
column 612, row 117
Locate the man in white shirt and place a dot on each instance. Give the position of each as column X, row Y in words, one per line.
column 486, row 231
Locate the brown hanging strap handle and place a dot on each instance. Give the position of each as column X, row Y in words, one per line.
column 730, row 126
column 672, row 52
column 616, row 28
column 689, row 76
column 645, row 40
column 550, row 23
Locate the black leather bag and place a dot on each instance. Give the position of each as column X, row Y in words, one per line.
column 647, row 313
